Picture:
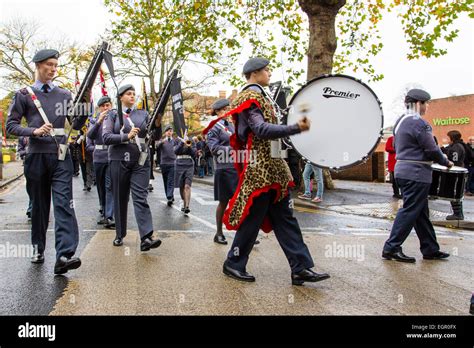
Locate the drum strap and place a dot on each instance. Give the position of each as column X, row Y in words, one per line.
column 399, row 123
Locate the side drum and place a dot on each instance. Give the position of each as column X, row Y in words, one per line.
column 448, row 184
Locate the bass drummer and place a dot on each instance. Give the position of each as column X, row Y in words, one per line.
column 416, row 150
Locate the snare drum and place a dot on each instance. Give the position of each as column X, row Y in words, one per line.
column 448, row 184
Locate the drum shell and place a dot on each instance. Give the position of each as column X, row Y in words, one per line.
column 448, row 185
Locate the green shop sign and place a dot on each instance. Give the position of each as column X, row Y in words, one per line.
column 448, row 121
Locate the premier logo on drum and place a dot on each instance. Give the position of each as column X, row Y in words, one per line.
column 328, row 92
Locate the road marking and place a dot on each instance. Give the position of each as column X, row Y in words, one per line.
column 350, row 229
column 312, row 229
column 369, row 234
column 202, row 201
column 208, row 224
column 181, row 231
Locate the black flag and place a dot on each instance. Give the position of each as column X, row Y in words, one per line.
column 178, row 107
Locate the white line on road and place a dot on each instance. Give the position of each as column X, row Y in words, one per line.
column 208, row 224
column 312, row 229
column 369, row 234
column 200, row 199
column 181, row 231
column 350, row 229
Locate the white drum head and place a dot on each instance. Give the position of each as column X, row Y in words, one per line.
column 453, row 169
column 346, row 121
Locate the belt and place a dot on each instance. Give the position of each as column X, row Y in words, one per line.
column 101, row 147
column 59, row 132
column 415, row 161
column 183, row 157
column 133, row 141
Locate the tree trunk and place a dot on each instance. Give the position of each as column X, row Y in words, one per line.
column 322, row 43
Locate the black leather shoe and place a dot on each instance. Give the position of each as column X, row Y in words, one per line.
column 398, row 256
column 170, row 203
column 149, row 243
column 233, row 273
column 186, row 211
column 150, row 188
column 37, row 258
column 118, row 241
column 220, row 239
column 109, row 223
column 455, row 217
column 101, row 220
column 63, row 264
column 307, row 275
column 436, row 256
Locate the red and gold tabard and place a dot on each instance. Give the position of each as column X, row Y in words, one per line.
column 258, row 171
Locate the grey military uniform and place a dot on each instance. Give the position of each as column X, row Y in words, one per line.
column 416, row 149
column 45, row 174
column 95, row 142
column 127, row 175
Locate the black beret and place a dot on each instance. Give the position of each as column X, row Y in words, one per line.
column 168, row 127
column 219, row 104
column 45, row 54
column 125, row 88
column 415, row 95
column 254, row 64
column 103, row 100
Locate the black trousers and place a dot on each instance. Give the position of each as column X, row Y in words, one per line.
column 128, row 176
column 46, row 175
column 395, row 188
column 167, row 171
column 104, row 189
column 87, row 173
column 285, row 226
column 415, row 213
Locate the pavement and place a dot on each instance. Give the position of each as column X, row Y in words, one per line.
column 11, row 172
column 184, row 277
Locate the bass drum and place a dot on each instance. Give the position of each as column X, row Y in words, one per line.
column 346, row 121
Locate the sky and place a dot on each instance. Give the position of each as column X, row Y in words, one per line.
column 452, row 74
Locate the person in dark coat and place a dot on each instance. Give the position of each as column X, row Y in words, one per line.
column 456, row 153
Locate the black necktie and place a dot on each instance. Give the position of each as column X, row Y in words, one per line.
column 169, row 139
column 45, row 88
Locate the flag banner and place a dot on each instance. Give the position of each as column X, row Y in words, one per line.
column 178, row 107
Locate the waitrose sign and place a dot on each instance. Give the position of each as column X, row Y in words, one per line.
column 449, row 121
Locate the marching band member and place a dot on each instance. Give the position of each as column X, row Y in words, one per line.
column 125, row 147
column 415, row 148
column 165, row 147
column 95, row 142
column 46, row 171
column 261, row 200
column 225, row 177
column 184, row 171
